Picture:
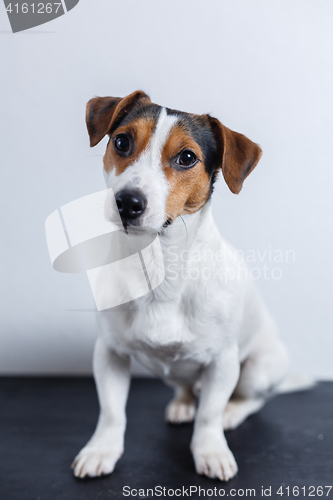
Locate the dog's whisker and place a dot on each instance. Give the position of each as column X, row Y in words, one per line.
column 184, row 225
column 97, row 206
column 217, row 191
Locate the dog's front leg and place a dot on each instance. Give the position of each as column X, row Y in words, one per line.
column 212, row 456
column 112, row 377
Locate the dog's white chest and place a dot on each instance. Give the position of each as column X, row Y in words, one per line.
column 166, row 338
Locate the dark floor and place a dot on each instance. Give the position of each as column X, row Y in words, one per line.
column 45, row 421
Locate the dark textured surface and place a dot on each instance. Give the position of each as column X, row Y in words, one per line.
column 45, row 421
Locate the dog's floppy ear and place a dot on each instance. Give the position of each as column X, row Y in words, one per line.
column 237, row 155
column 103, row 114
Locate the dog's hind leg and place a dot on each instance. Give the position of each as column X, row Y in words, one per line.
column 181, row 408
column 261, row 374
column 237, row 410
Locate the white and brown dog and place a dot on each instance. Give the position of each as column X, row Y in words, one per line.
column 205, row 324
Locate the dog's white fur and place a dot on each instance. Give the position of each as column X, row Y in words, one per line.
column 190, row 330
column 147, row 175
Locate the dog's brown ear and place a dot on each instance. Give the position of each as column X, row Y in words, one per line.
column 103, row 114
column 238, row 155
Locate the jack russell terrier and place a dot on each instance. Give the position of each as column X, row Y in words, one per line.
column 203, row 331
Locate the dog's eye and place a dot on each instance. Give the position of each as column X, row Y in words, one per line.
column 122, row 143
column 187, row 158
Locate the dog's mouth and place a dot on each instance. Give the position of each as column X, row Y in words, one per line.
column 141, row 231
column 167, row 223
column 136, row 228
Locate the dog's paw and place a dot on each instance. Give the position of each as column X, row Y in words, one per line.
column 219, row 464
column 179, row 412
column 93, row 462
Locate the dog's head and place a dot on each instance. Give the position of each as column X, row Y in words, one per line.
column 162, row 163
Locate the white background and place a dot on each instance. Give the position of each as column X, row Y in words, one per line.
column 264, row 68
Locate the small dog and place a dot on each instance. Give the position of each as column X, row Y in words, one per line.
column 205, row 326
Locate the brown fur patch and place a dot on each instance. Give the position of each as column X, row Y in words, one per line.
column 141, row 131
column 189, row 189
column 102, row 113
column 239, row 155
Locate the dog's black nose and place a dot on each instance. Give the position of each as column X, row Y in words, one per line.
column 131, row 204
